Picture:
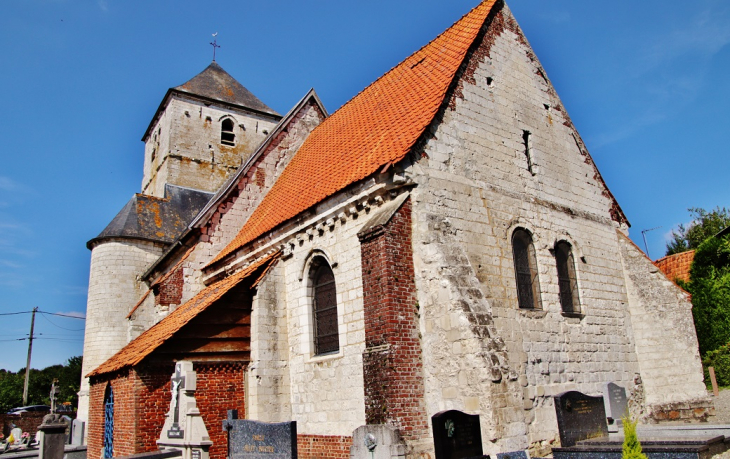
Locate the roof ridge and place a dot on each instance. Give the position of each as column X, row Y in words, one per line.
column 378, row 126
column 412, row 54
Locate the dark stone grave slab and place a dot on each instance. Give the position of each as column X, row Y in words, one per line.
column 513, row 455
column 580, row 417
column 616, row 404
column 260, row 440
column 456, row 435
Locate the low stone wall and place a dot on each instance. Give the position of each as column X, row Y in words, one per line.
column 690, row 411
column 27, row 422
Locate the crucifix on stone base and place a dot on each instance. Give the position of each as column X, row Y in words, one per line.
column 178, row 381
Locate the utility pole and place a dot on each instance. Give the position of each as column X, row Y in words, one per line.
column 27, row 365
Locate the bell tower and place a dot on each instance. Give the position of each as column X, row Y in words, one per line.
column 202, row 131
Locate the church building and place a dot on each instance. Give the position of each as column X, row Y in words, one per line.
column 444, row 240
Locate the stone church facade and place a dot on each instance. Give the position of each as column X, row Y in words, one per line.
column 442, row 241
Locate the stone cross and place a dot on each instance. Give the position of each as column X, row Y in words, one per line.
column 184, row 428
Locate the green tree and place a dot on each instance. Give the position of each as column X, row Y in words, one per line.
column 710, row 288
column 632, row 446
column 704, row 224
column 68, row 378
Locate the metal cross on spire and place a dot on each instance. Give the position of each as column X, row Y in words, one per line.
column 215, row 44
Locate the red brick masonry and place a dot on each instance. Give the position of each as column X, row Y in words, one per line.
column 142, row 398
column 392, row 366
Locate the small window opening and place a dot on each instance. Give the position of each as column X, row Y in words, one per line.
column 567, row 279
column 528, row 284
column 528, row 151
column 490, row 80
column 228, row 137
column 326, row 334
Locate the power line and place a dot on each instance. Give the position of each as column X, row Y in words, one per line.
column 43, row 314
column 62, row 315
column 14, row 313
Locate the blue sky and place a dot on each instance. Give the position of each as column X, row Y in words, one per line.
column 644, row 82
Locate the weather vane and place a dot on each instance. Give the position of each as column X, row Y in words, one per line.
column 215, row 44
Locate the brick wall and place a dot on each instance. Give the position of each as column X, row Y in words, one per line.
column 323, row 446
column 152, row 389
column 393, row 371
column 220, row 388
column 122, row 384
column 142, row 398
column 27, row 422
column 170, row 291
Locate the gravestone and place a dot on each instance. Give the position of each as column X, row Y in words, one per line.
column 580, row 417
column 260, row 440
column 77, row 432
column 456, row 435
column 184, row 428
column 52, row 438
column 17, row 433
column 377, row 441
column 617, row 405
column 513, row 455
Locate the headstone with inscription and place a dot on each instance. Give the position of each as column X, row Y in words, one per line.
column 580, row 417
column 184, row 428
column 456, row 435
column 513, row 455
column 77, row 432
column 377, row 441
column 260, row 440
column 617, row 405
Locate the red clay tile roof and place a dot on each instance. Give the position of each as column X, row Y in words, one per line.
column 676, row 266
column 147, row 342
column 377, row 127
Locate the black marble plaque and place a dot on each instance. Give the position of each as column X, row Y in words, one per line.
column 513, row 455
column 260, row 440
column 456, row 435
column 580, row 417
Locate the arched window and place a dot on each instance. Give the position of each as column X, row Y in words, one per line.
column 108, row 422
column 326, row 334
column 528, row 285
column 567, row 280
column 227, row 135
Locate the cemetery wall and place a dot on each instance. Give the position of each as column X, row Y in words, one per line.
column 323, row 446
column 27, row 422
column 184, row 148
column 666, row 342
column 393, row 369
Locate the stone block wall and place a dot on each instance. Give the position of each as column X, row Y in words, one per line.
column 113, row 290
column 268, row 389
column 505, row 155
column 184, row 148
column 666, row 342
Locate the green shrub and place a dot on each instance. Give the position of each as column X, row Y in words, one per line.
column 710, row 289
column 720, row 359
column 632, row 446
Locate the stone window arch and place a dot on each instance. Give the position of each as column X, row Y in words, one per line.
column 528, row 283
column 567, row 278
column 324, row 307
column 228, row 137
